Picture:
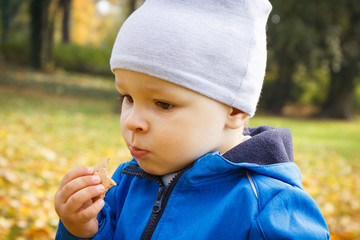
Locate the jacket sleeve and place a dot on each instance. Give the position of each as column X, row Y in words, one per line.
column 106, row 227
column 63, row 234
column 290, row 214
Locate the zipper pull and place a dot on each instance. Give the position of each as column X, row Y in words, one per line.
column 157, row 205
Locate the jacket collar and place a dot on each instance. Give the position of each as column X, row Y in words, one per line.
column 267, row 145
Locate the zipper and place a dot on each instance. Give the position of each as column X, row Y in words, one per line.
column 161, row 198
column 134, row 170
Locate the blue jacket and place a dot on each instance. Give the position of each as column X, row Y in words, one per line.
column 253, row 191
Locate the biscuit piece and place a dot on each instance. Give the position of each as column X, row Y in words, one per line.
column 101, row 169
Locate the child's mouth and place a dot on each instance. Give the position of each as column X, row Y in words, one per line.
column 137, row 152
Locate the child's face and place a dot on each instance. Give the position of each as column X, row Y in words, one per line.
column 166, row 126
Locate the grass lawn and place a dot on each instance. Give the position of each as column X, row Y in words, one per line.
column 44, row 132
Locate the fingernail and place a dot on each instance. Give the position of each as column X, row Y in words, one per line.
column 100, row 202
column 100, row 188
column 89, row 170
column 96, row 179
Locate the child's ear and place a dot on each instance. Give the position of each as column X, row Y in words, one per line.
column 236, row 118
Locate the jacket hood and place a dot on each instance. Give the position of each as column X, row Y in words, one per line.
column 268, row 152
column 267, row 145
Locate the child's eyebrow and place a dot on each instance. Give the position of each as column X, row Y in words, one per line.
column 153, row 88
column 164, row 91
column 156, row 89
column 117, row 83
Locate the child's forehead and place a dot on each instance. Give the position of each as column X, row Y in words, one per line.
column 140, row 81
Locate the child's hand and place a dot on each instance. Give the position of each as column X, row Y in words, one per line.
column 74, row 201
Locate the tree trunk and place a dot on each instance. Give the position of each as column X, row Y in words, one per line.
column 5, row 19
column 132, row 6
column 49, row 43
column 39, row 17
column 8, row 10
column 65, row 8
column 284, row 86
column 340, row 96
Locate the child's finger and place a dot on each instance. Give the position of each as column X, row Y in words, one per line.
column 75, row 173
column 91, row 211
column 76, row 201
column 75, row 185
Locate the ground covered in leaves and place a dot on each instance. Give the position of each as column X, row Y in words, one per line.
column 44, row 132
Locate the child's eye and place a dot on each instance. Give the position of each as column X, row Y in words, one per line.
column 126, row 97
column 129, row 98
column 164, row 105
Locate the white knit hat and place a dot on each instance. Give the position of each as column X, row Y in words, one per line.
column 214, row 47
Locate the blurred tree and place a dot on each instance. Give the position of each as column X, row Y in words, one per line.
column 8, row 10
column 342, row 42
column 84, row 22
column 314, row 34
column 65, row 9
column 42, row 16
column 39, row 10
column 133, row 5
column 291, row 41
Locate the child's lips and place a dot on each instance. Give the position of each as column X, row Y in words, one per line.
column 137, row 152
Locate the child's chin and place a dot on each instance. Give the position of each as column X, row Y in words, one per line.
column 150, row 169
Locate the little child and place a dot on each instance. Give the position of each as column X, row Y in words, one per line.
column 190, row 73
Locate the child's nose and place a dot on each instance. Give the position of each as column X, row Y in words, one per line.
column 136, row 121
